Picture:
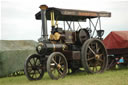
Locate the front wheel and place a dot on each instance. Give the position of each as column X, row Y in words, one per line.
column 57, row 65
column 33, row 68
column 94, row 56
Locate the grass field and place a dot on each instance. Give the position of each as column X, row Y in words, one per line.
column 114, row 77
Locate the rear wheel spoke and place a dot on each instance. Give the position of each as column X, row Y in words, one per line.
column 92, row 58
column 97, row 47
column 92, row 50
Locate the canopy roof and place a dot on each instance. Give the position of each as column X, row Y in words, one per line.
column 116, row 40
column 72, row 15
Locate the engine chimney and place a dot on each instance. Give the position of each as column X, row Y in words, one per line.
column 44, row 36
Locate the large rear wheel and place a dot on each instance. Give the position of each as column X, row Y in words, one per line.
column 57, row 65
column 94, row 56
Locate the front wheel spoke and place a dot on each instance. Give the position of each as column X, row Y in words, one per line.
column 30, row 63
column 39, row 71
column 32, row 75
column 62, row 66
column 61, row 63
column 60, row 72
column 36, row 60
column 56, row 73
column 29, row 69
column 59, row 60
column 35, row 74
column 54, row 61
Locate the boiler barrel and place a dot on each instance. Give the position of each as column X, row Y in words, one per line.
column 47, row 48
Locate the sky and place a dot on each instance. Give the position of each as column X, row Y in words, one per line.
column 18, row 16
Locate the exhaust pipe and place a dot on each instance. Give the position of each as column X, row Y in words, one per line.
column 44, row 36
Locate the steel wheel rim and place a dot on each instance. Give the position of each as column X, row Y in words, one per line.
column 95, row 56
column 57, row 67
column 34, row 68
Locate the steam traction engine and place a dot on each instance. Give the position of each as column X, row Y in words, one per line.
column 68, row 47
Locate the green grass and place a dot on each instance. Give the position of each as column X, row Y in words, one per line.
column 114, row 77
